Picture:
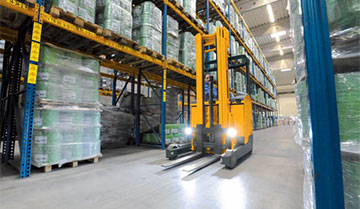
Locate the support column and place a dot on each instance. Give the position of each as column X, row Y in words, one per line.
column 114, row 88
column 29, row 109
column 325, row 142
column 182, row 106
column 163, row 95
column 138, row 110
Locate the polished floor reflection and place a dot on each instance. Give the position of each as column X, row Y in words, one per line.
column 271, row 177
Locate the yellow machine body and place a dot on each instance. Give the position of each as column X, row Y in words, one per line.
column 227, row 114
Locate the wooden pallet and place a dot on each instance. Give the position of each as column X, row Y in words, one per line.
column 179, row 65
column 73, row 164
column 150, row 52
column 78, row 21
column 120, row 39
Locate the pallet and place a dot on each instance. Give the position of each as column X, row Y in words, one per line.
column 179, row 65
column 150, row 52
column 120, row 39
column 73, row 164
column 78, row 21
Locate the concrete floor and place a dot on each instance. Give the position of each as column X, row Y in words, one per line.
column 271, row 177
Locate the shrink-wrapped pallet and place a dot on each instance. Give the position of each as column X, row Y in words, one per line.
column 147, row 26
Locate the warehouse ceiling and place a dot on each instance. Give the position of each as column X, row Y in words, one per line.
column 272, row 32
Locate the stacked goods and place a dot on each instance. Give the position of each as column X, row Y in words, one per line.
column 115, row 15
column 172, row 40
column 116, row 127
column 86, row 9
column 342, row 14
column 67, row 117
column 65, row 76
column 348, row 103
column 67, row 5
column 151, row 138
column 64, row 134
column 190, row 7
column 240, row 80
column 187, row 49
column 152, row 113
column 220, row 4
column 232, row 49
column 175, row 133
column 344, row 30
column 218, row 24
column 82, row 8
column 147, row 25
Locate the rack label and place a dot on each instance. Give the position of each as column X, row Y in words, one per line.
column 36, row 35
column 32, row 73
column 35, row 51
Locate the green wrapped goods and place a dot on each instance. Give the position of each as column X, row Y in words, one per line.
column 147, row 26
column 67, row 5
column 50, row 55
column 172, row 47
column 92, row 64
column 190, row 7
column 351, row 178
column 49, row 74
column 45, row 118
column 303, row 108
column 187, row 49
column 147, row 36
column 348, row 103
column 86, row 10
column 342, row 14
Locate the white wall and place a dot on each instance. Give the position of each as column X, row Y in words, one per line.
column 287, row 104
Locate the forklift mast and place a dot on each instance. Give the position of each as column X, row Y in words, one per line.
column 221, row 128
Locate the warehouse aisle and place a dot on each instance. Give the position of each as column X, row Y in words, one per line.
column 271, row 177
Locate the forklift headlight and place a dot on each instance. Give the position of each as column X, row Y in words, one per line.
column 231, row 132
column 188, row 131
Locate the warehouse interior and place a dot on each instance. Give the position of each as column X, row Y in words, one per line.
column 180, row 104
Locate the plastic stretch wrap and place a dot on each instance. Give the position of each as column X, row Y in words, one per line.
column 86, row 10
column 173, row 42
column 116, row 127
column 147, row 26
column 221, row 4
column 64, row 134
column 151, row 108
column 67, row 5
column 190, row 7
column 115, row 15
column 348, row 103
column 212, row 28
column 65, row 76
column 187, row 49
column 301, row 91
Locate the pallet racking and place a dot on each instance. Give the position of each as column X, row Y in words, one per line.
column 121, row 55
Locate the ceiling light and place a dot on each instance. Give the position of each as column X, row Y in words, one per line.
column 281, row 52
column 285, row 69
column 270, row 13
column 278, row 34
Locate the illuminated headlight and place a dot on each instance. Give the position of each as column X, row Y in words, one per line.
column 231, row 132
column 188, row 131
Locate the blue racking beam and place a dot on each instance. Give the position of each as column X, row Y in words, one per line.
column 189, row 106
column 163, row 101
column 29, row 109
column 114, row 88
column 325, row 142
column 138, row 106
